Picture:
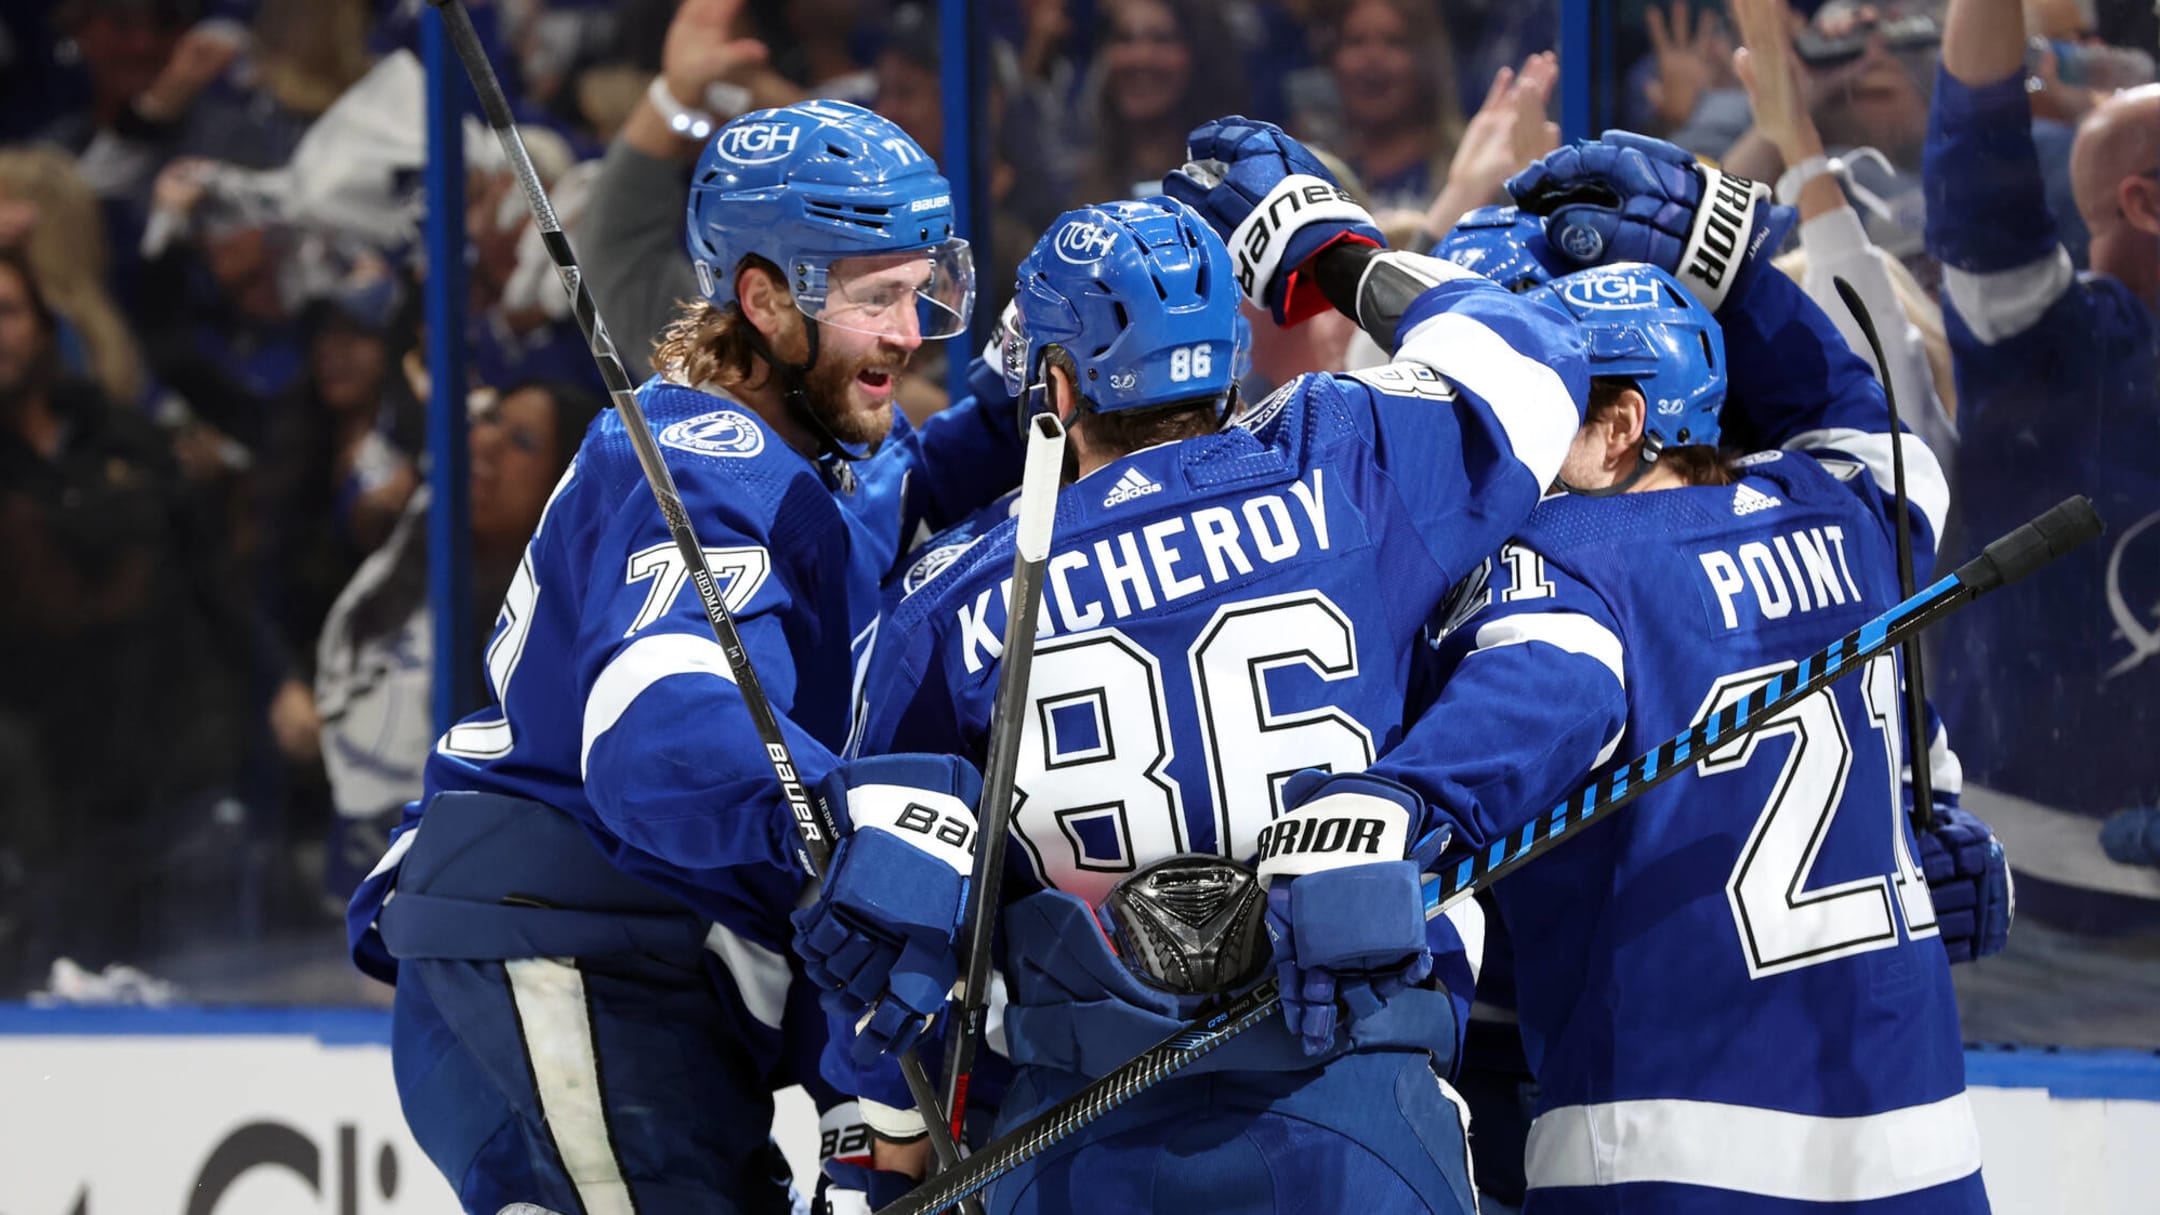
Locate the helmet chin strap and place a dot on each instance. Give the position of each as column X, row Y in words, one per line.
column 795, row 393
column 1645, row 460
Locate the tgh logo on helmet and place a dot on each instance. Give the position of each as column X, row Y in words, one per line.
column 1605, row 291
column 1082, row 243
column 758, row 143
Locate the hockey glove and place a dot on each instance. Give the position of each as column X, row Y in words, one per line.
column 1631, row 198
column 1345, row 913
column 1504, row 244
column 1969, row 879
column 881, row 939
column 1274, row 204
column 2132, row 837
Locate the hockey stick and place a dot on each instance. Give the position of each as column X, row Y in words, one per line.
column 1916, row 740
column 814, row 829
column 2067, row 525
column 1037, row 509
column 993, row 816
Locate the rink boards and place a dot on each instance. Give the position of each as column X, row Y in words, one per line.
column 292, row 1112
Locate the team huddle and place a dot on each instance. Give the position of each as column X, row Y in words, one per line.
column 1292, row 656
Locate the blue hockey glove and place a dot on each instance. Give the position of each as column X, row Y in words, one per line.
column 1630, row 198
column 2132, row 837
column 1969, row 879
column 881, row 939
column 1504, row 244
column 1345, row 913
column 1274, row 204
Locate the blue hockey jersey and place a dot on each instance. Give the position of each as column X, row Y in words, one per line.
column 1730, row 994
column 2052, row 693
column 613, row 701
column 1223, row 611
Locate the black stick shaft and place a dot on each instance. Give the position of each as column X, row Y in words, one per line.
column 1916, row 732
column 2015, row 555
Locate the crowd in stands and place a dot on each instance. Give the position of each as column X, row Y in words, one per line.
column 215, row 642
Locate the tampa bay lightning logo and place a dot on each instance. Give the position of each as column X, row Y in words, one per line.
column 727, row 432
column 933, row 563
column 2143, row 638
column 1082, row 243
column 1581, row 242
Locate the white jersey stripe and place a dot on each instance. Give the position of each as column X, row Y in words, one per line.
column 1529, row 398
column 1924, row 482
column 642, row 664
column 760, row 975
column 557, row 1029
column 1801, row 1157
column 2004, row 303
column 1570, row 631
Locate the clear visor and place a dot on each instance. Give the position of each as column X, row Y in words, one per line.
column 1013, row 353
column 923, row 294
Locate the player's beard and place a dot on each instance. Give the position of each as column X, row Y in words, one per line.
column 848, row 409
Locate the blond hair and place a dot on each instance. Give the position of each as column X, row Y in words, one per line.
column 66, row 250
column 311, row 51
column 706, row 343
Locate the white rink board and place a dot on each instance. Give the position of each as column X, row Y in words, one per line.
column 136, row 1112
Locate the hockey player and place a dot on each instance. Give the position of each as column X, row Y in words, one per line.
column 1229, row 615
column 587, row 924
column 1729, row 995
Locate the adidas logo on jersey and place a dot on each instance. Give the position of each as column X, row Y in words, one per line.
column 1747, row 499
column 1134, row 484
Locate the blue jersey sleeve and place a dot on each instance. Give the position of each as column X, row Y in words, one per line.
column 670, row 760
column 1987, row 206
column 1472, row 420
column 1532, row 696
column 1796, row 384
column 965, row 455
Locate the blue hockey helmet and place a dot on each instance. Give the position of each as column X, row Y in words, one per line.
column 851, row 210
column 1140, row 295
column 1503, row 244
column 1640, row 324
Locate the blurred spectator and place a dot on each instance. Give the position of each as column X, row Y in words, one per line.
column 822, row 59
column 122, row 654
column 375, row 660
column 518, row 322
column 48, row 212
column 125, row 48
column 1508, row 132
column 339, row 466
column 1147, row 91
column 1833, row 243
column 2052, row 691
column 1688, row 84
column 1396, row 116
column 218, row 300
column 1869, row 68
column 631, row 240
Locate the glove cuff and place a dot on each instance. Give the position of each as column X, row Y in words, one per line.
column 1724, row 235
column 892, row 1123
column 1349, row 827
column 1259, row 241
column 937, row 823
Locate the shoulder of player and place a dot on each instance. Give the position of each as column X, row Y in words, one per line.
column 954, row 565
column 723, row 458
